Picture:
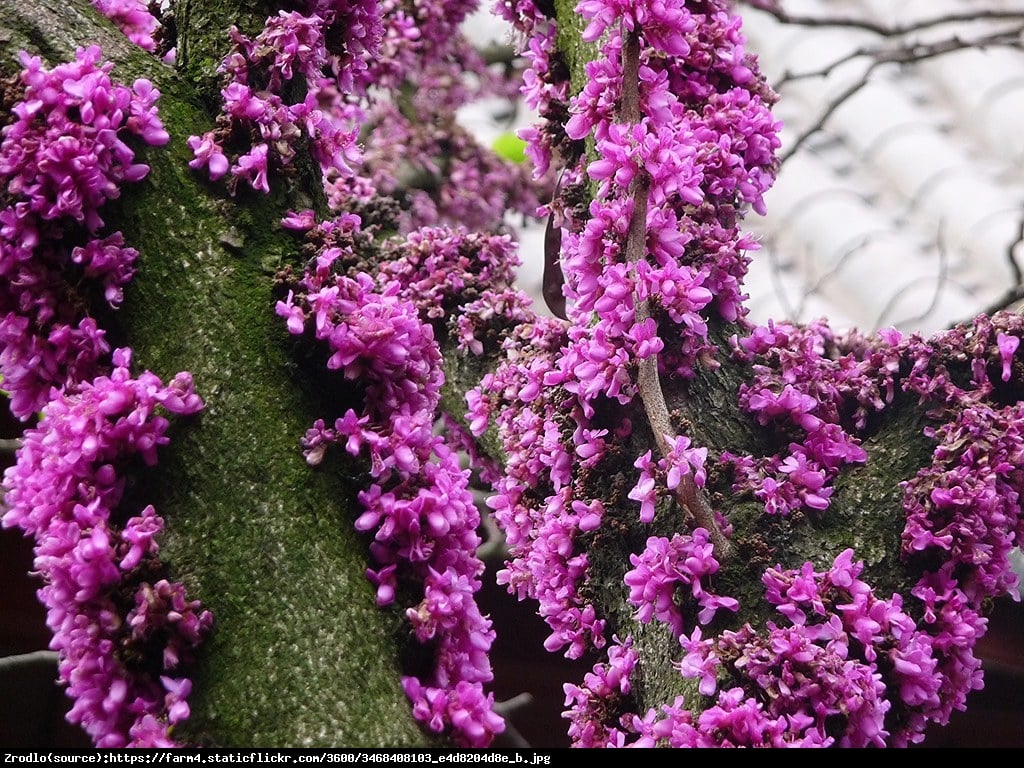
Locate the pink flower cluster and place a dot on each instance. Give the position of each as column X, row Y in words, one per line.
column 545, row 86
column 965, row 507
column 334, row 51
column 418, row 35
column 124, row 632
column 704, row 145
column 734, row 720
column 701, row 156
column 480, row 323
column 657, row 477
column 133, row 17
column 433, row 167
column 290, row 49
column 440, row 268
column 844, row 666
column 544, row 525
column 848, row 668
column 962, row 511
column 62, row 158
column 664, row 566
column 820, row 390
column 414, row 149
column 418, row 508
column 605, row 685
column 666, row 25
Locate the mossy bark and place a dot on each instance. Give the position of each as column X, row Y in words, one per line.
column 300, row 654
column 574, row 51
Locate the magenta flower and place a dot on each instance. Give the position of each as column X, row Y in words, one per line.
column 62, row 159
column 65, row 491
column 418, row 510
column 1007, row 346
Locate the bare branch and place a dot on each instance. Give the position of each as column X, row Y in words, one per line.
column 913, row 51
column 1011, row 259
column 941, row 280
column 823, row 118
column 1016, row 292
column 884, row 30
column 909, row 53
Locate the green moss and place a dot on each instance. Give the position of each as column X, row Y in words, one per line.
column 300, row 654
column 575, row 52
column 203, row 37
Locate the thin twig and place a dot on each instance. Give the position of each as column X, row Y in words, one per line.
column 823, row 118
column 898, row 30
column 1011, row 258
column 910, row 54
column 1016, row 292
column 940, row 281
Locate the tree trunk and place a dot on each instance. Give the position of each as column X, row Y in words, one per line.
column 300, row 654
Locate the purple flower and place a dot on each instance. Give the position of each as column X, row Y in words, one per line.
column 65, row 491
column 645, row 490
column 419, row 509
column 1007, row 346
column 208, row 153
column 133, row 18
column 62, row 158
column 686, row 561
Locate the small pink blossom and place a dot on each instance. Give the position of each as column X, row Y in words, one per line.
column 1007, row 347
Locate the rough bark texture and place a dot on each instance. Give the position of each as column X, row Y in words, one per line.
column 202, row 34
column 300, row 653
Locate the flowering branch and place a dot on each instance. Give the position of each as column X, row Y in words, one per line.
column 788, row 642
column 690, row 497
column 264, row 549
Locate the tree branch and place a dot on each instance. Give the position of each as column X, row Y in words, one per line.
column 1016, row 292
column 885, row 30
column 689, row 496
column 911, row 53
column 300, row 653
column 202, row 35
column 53, row 29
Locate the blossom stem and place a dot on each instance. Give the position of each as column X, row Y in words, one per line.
column 689, row 496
